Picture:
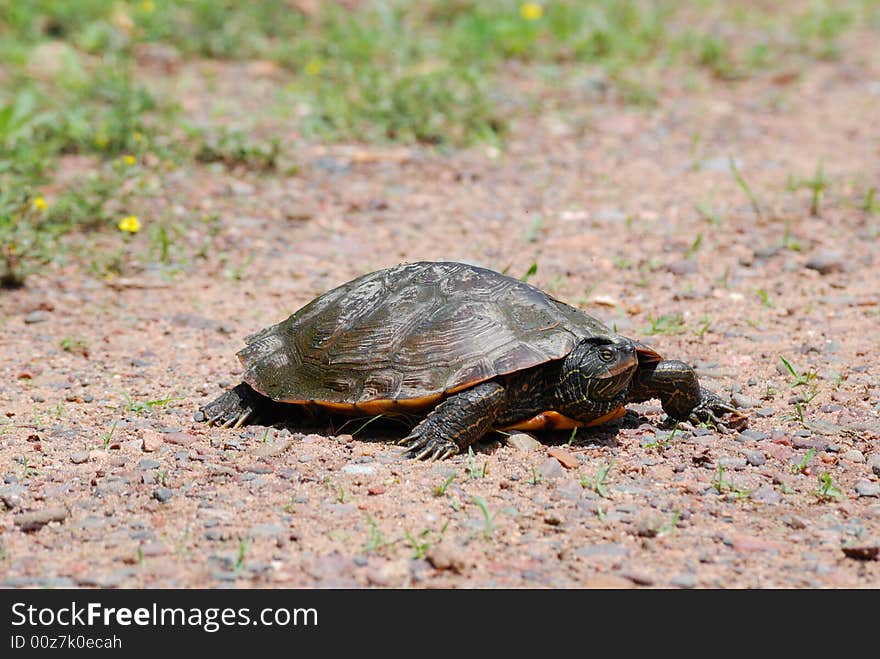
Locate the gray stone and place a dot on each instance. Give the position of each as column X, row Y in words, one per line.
column 649, row 525
column 359, row 470
column 11, row 495
column 720, row 164
column 79, row 457
column 825, row 261
column 867, row 489
column 610, row 549
column 744, row 402
column 683, row 267
column 36, row 317
column 551, row 468
column 112, row 579
column 753, row 435
column 756, row 458
column 266, row 531
column 766, row 494
column 162, row 494
column 854, row 455
column 874, row 463
column 37, row 519
column 146, row 465
column 524, row 442
column 686, row 580
column 732, row 463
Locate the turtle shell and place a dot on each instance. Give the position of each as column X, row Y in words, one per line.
column 409, row 335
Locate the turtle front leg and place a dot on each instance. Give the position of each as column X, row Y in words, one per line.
column 456, row 423
column 236, row 407
column 680, row 393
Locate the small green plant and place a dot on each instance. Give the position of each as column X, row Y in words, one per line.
column 817, row 186
column 536, row 478
column 665, row 324
column 440, row 490
column 744, row 186
column 242, row 553
column 694, row 247
column 147, row 405
column 870, row 204
column 488, row 517
column 530, row 272
column 290, row 506
column 723, row 486
column 709, row 214
column 473, row 471
column 669, row 527
column 827, row 490
column 27, row 470
column 419, row 547
column 108, row 436
column 571, row 437
column 599, row 483
column 375, row 541
column 75, row 346
column 340, row 494
column 801, row 466
column 704, row 326
column 800, row 379
column 765, row 297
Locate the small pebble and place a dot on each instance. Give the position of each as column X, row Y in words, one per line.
column 756, row 458
column 649, row 525
column 753, row 435
column 854, row 455
column 685, row 580
column 766, row 494
column 732, row 463
column 162, row 494
column 79, row 457
column 36, row 317
column 523, row 442
column 874, row 463
column 867, row 489
column 551, row 468
column 825, row 262
column 359, row 470
column 744, row 402
column 863, row 551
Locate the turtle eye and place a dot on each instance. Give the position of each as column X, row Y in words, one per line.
column 606, row 354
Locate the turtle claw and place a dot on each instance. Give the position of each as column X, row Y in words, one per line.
column 420, row 447
column 234, row 408
column 711, row 409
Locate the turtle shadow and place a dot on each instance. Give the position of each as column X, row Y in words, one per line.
column 388, row 430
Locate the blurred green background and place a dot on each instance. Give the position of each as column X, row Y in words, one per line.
column 102, row 86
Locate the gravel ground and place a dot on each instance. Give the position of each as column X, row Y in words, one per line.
column 631, row 214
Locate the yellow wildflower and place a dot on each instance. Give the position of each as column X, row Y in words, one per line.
column 129, row 160
column 313, row 68
column 129, row 224
column 531, row 11
column 148, row 6
column 39, row 204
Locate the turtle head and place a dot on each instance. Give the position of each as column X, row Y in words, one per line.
column 598, row 369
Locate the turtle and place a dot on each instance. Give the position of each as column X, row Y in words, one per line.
column 468, row 349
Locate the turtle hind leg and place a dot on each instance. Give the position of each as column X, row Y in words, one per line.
column 456, row 423
column 238, row 406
